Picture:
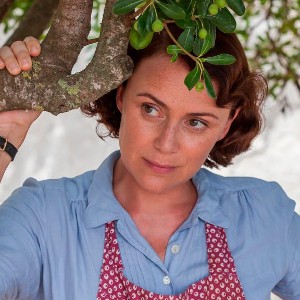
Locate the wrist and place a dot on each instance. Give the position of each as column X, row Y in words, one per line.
column 14, row 134
column 5, row 160
column 7, row 147
column 14, row 125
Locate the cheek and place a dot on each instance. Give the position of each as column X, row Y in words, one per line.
column 201, row 144
column 197, row 149
column 132, row 134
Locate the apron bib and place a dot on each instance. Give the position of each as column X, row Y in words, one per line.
column 221, row 283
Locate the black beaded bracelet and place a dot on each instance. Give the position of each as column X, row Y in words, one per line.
column 9, row 148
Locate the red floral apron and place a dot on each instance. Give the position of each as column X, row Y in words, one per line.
column 221, row 283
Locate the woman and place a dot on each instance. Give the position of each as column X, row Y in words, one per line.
column 150, row 223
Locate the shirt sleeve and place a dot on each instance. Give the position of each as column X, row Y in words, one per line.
column 21, row 239
column 289, row 286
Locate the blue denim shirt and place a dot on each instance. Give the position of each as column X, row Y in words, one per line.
column 52, row 238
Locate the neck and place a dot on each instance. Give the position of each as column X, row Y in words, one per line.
column 138, row 201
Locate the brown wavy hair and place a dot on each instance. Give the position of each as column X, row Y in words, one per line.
column 239, row 88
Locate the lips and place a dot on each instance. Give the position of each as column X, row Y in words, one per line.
column 159, row 168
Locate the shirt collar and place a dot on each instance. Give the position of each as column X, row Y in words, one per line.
column 209, row 196
column 103, row 206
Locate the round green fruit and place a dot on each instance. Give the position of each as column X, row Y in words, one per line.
column 202, row 33
column 221, row 3
column 138, row 41
column 213, row 9
column 157, row 25
column 199, row 87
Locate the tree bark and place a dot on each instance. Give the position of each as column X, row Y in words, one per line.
column 4, row 7
column 49, row 85
column 36, row 20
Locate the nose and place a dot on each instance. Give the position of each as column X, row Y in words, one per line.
column 166, row 140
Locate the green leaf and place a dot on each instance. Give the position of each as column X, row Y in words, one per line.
column 186, row 23
column 198, row 44
column 174, row 57
column 184, row 4
column 207, row 44
column 221, row 59
column 224, row 20
column 208, row 84
column 191, row 5
column 143, row 25
column 172, row 11
column 237, row 6
column 172, row 2
column 202, row 7
column 211, row 29
column 192, row 78
column 186, row 39
column 150, row 18
column 125, row 6
column 173, row 49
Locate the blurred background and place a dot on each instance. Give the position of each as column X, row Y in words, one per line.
column 67, row 144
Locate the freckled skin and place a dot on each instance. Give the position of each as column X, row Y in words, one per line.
column 166, row 139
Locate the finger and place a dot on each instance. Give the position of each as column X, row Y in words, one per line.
column 33, row 45
column 10, row 61
column 22, row 55
column 2, row 64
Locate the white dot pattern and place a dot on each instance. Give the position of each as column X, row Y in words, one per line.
column 221, row 284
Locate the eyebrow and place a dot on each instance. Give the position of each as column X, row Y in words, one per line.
column 153, row 98
column 161, row 103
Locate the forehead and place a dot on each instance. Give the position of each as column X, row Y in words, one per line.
column 160, row 66
column 165, row 80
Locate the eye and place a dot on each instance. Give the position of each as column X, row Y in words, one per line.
column 196, row 124
column 150, row 110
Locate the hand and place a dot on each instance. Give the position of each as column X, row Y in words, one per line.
column 15, row 124
column 17, row 58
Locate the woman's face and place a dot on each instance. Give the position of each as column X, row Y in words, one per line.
column 166, row 131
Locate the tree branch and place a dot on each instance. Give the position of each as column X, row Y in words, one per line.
column 35, row 21
column 110, row 65
column 49, row 85
column 68, row 33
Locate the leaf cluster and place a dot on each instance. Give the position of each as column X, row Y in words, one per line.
column 198, row 20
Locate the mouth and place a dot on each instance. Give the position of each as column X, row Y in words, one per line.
column 159, row 168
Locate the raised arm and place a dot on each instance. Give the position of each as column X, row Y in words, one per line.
column 14, row 125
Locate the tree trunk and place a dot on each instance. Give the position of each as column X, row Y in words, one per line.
column 49, row 85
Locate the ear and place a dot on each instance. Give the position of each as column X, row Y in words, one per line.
column 228, row 124
column 119, row 97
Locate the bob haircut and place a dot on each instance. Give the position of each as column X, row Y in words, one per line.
column 238, row 88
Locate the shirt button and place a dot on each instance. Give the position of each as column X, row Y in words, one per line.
column 175, row 249
column 166, row 280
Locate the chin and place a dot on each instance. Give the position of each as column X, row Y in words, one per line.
column 156, row 185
